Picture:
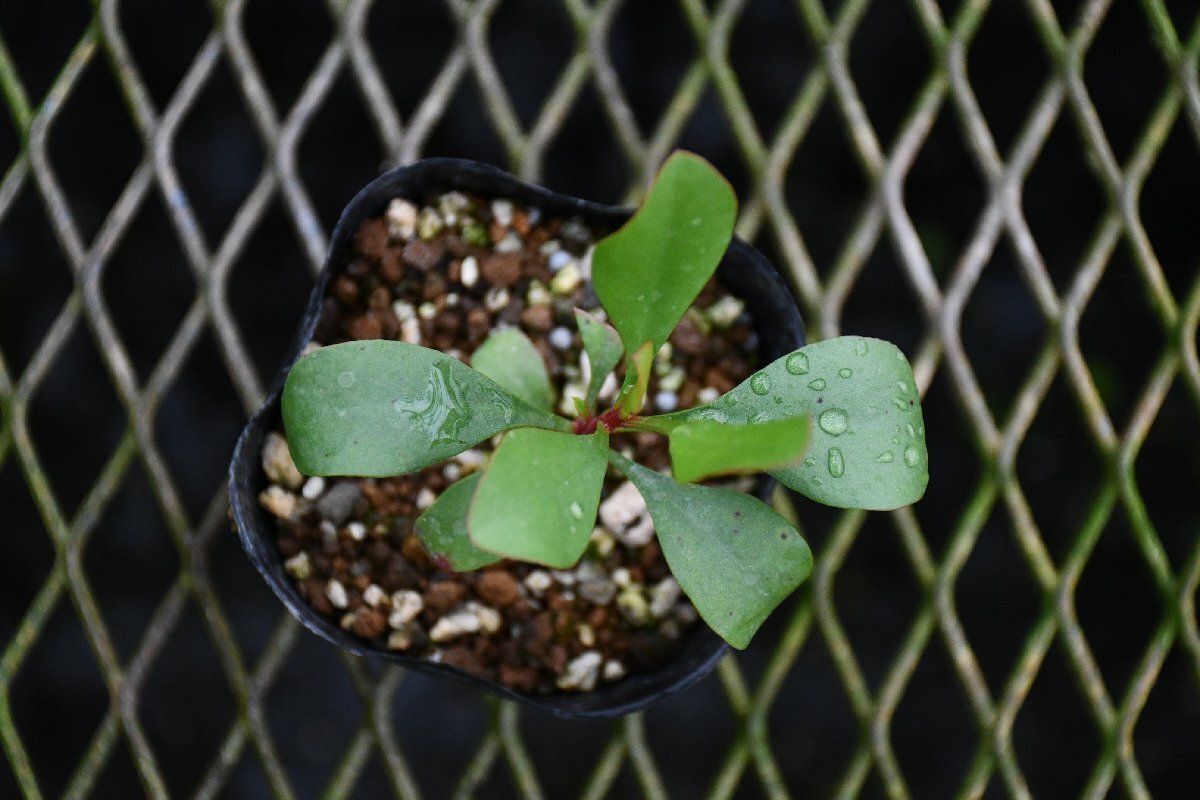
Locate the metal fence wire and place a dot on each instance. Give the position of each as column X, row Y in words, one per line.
column 1029, row 629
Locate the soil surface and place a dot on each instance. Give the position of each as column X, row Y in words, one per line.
column 445, row 275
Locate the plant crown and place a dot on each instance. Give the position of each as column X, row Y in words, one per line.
column 838, row 421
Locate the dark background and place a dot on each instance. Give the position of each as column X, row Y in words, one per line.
column 186, row 707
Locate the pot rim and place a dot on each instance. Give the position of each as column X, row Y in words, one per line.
column 764, row 291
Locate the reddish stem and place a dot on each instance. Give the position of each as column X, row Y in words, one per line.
column 612, row 420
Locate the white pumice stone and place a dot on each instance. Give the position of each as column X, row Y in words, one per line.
column 613, row 670
column 328, row 531
column 489, row 618
column 400, row 639
column 538, row 582
column 538, row 294
column 666, row 402
column 602, row 541
column 404, row 310
column 402, row 218
column 314, row 487
column 558, row 259
column 663, row 597
column 374, row 596
column 509, row 244
column 427, row 311
column 336, row 594
column 425, row 498
column 455, row 624
column 673, row 380
column 567, row 279
column 357, row 531
column 406, row 605
column 452, row 471
column 708, row 395
column 585, row 263
column 587, row 636
column 502, row 212
column 496, row 298
column 280, row 502
column 470, row 459
column 581, row 672
column 571, row 391
column 550, row 247
column 468, row 275
column 559, row 338
column 298, row 566
column 452, row 299
column 410, row 331
column 608, row 389
column 624, row 513
column 725, row 311
column 564, row 577
column 429, row 224
column 277, row 462
column 633, row 606
column 621, row 577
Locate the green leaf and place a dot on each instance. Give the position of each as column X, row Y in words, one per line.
column 637, row 380
column 537, row 500
column 381, row 408
column 732, row 554
column 868, row 437
column 650, row 270
column 604, row 350
column 703, row 448
column 443, row 528
column 511, row 360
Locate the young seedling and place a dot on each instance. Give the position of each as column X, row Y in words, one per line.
column 838, row 421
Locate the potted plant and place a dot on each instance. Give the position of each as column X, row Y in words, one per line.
column 838, row 421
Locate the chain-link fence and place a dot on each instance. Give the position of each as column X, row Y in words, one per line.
column 1009, row 190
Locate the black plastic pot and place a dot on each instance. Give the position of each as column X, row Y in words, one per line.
column 743, row 271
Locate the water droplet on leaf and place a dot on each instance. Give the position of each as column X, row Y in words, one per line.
column 860, row 347
column 912, row 433
column 576, row 511
column 834, row 422
column 796, row 364
column 760, row 383
column 902, row 386
column 837, row 464
column 346, row 380
column 817, row 385
column 911, row 456
column 845, row 372
column 885, row 457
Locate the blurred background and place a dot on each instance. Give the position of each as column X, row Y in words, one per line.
column 1009, row 190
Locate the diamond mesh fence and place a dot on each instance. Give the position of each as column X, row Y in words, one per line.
column 1010, row 190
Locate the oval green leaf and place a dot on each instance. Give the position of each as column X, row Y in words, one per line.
column 443, row 528
column 649, row 271
column 704, row 448
column 511, row 360
column 537, row 500
column 381, row 408
column 604, row 350
column 734, row 557
column 868, row 436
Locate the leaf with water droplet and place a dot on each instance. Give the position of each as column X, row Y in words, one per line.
column 760, row 383
column 604, row 350
column 734, row 556
column 861, row 425
column 527, row 502
column 703, row 448
column 511, row 360
column 650, row 270
column 443, row 528
column 408, row 407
